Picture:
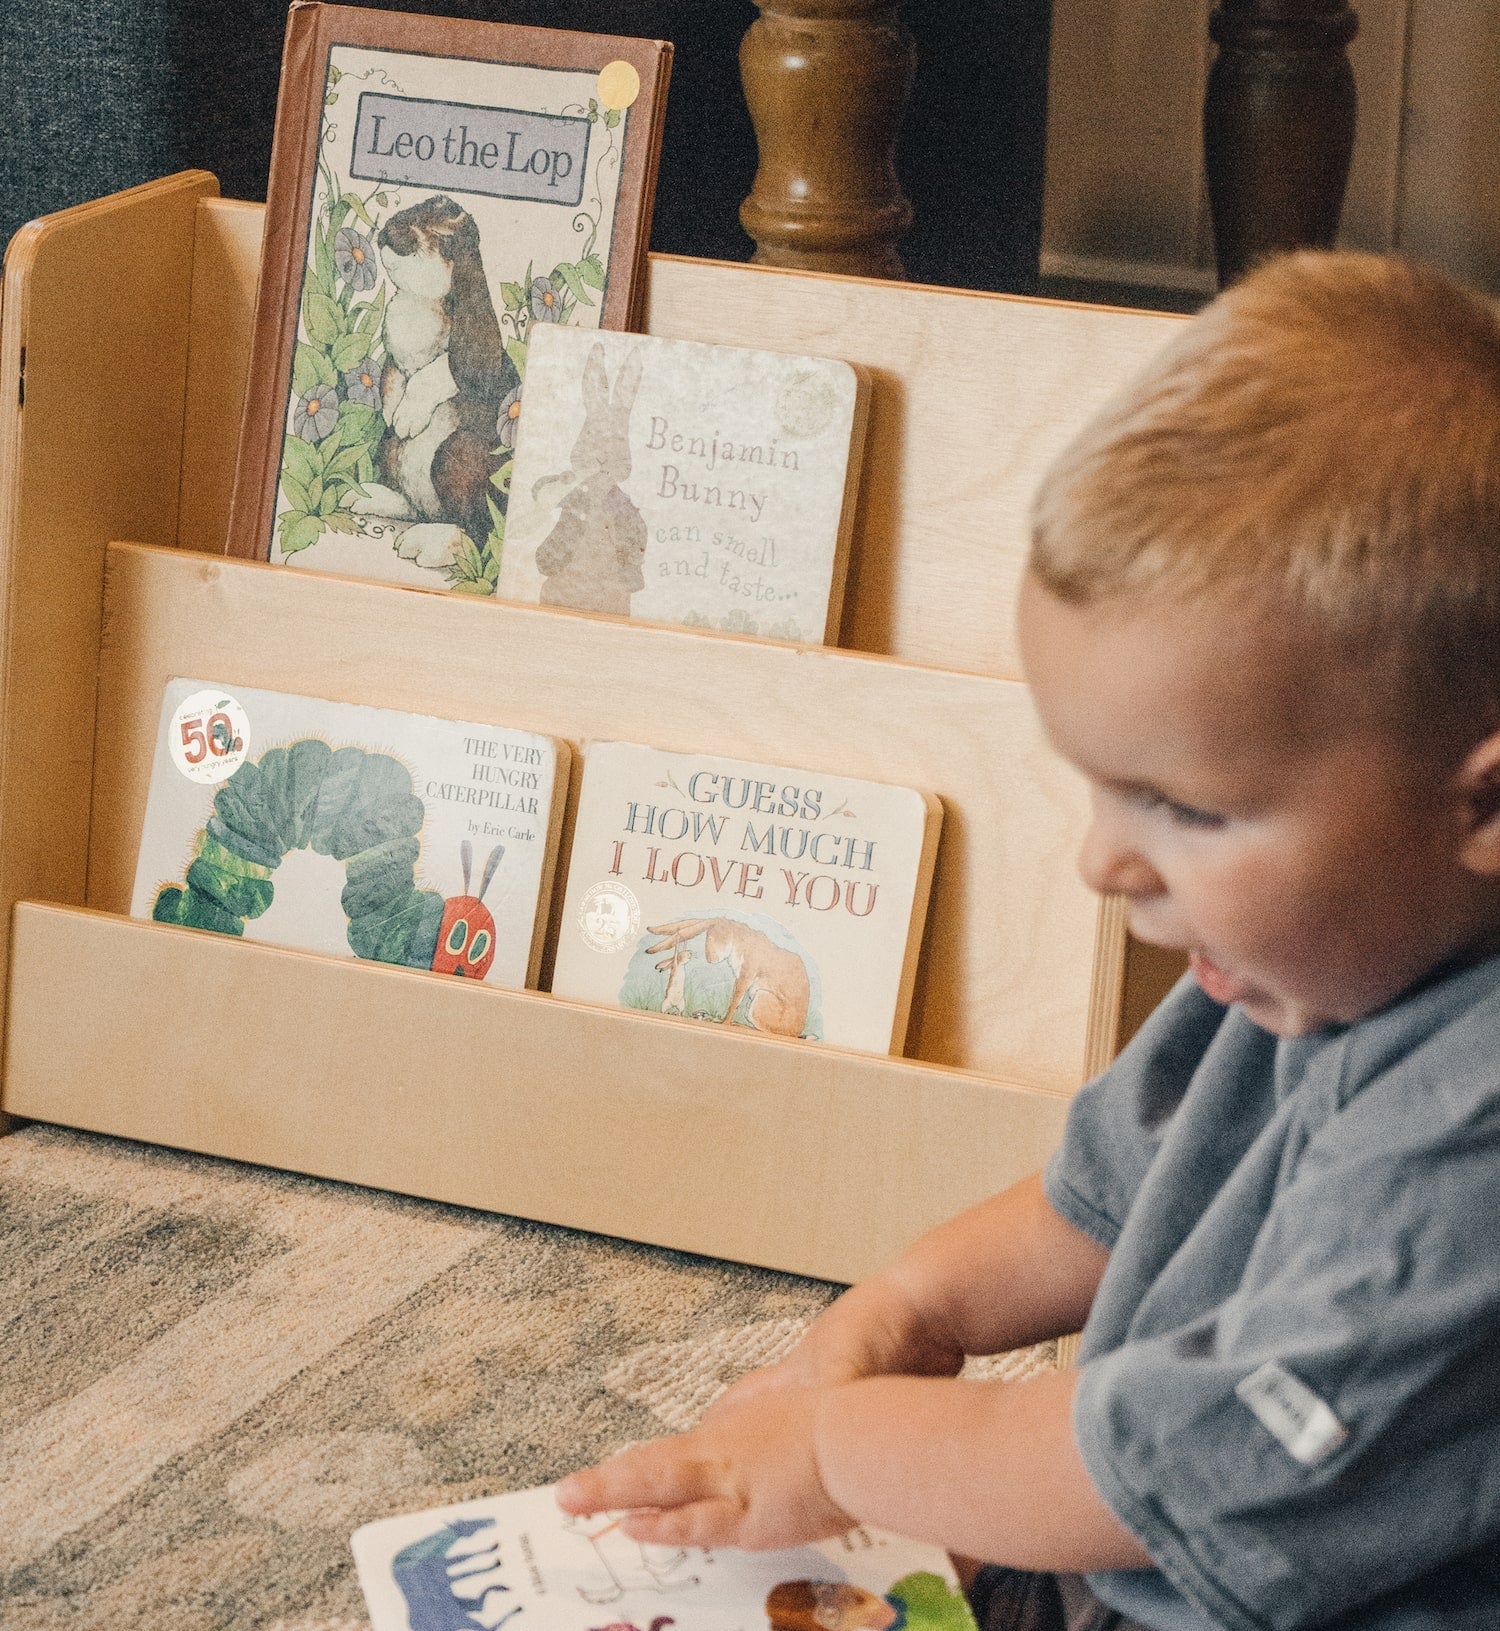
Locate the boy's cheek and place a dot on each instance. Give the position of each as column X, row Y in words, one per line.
column 1160, row 925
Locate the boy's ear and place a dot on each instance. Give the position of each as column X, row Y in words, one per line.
column 1479, row 791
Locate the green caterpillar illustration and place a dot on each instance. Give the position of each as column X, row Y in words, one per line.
column 359, row 808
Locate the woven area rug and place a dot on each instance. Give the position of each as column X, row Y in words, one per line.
column 210, row 1374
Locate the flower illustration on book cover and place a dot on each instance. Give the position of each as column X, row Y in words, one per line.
column 455, row 205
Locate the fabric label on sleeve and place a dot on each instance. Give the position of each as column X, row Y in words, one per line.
column 1292, row 1413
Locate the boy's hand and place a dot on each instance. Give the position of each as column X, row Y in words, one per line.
column 872, row 1330
column 747, row 1476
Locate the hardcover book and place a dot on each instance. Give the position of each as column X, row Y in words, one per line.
column 517, row 1560
column 678, row 482
column 440, row 190
column 786, row 901
column 355, row 831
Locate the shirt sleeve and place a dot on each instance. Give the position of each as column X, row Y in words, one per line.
column 1116, row 1123
column 1331, row 1432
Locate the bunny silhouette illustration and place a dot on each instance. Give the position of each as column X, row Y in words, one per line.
column 592, row 558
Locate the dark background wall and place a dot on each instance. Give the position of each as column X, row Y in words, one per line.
column 106, row 94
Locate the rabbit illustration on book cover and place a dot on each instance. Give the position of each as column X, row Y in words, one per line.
column 592, row 558
column 771, row 980
column 445, row 376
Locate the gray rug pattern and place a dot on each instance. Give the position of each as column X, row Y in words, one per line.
column 210, row 1374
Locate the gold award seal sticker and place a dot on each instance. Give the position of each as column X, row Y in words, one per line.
column 619, row 85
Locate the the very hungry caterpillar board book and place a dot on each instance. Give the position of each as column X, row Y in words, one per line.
column 790, row 902
column 360, row 832
column 677, row 482
column 439, row 190
column 515, row 1560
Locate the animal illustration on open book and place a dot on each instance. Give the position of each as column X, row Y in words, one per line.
column 446, row 374
column 628, row 1565
column 358, row 807
column 451, row 1581
column 592, row 558
column 770, row 980
column 828, row 1605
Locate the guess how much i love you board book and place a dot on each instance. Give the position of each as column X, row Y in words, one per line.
column 355, row 831
column 439, row 191
column 786, row 901
column 677, row 482
column 515, row 1560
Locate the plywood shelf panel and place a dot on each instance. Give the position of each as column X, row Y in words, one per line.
column 809, row 1159
column 971, row 396
column 1007, row 966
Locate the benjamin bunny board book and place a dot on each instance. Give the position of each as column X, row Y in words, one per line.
column 517, row 1560
column 439, row 191
column 677, row 482
column 786, row 901
column 359, row 832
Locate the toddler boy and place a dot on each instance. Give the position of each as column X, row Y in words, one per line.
column 1262, row 617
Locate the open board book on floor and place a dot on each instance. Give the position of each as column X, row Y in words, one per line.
column 360, row 832
column 517, row 1560
column 437, row 189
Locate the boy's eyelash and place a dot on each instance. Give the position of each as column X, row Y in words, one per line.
column 1183, row 815
column 1186, row 816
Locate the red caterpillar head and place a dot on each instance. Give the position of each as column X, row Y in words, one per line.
column 466, row 937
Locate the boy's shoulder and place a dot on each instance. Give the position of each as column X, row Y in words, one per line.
column 1201, row 1086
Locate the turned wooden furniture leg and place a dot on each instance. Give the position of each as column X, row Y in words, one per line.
column 1278, row 126
column 826, row 82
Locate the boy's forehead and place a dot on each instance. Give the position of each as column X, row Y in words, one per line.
column 1130, row 687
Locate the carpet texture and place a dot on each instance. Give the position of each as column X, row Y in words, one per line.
column 210, row 1374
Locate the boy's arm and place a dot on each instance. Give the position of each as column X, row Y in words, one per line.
column 1006, row 1273
column 863, row 1422
column 984, row 1468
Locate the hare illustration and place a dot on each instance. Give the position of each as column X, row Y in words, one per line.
column 445, row 375
column 772, row 978
column 674, row 966
column 591, row 559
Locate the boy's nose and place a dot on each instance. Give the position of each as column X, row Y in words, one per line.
column 1112, row 867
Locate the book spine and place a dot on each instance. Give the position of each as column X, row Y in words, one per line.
column 636, row 321
column 258, row 466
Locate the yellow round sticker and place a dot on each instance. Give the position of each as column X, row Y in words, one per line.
column 619, row 85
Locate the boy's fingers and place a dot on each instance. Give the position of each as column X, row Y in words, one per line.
column 653, row 1475
column 581, row 1493
column 713, row 1522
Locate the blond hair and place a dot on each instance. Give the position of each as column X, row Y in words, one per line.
column 1325, row 437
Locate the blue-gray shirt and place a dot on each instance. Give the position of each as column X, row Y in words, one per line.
column 1290, row 1386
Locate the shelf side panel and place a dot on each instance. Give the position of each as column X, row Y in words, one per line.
column 807, row 1159
column 96, row 303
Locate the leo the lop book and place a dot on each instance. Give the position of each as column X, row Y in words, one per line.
column 517, row 1561
column 440, row 191
column 788, row 902
column 354, row 831
column 677, row 482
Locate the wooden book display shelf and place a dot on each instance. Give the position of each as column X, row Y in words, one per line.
column 124, row 338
